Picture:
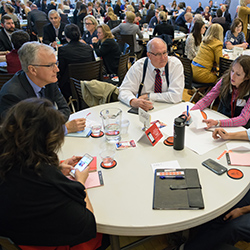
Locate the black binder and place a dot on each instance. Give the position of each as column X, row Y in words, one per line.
column 173, row 194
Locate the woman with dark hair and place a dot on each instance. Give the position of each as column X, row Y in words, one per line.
column 18, row 38
column 106, row 47
column 234, row 91
column 76, row 11
column 194, row 39
column 73, row 52
column 80, row 17
column 235, row 37
column 42, row 207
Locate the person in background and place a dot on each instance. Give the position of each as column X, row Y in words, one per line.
column 163, row 8
column 174, row 5
column 138, row 19
column 91, row 10
column 199, row 10
column 150, row 12
column 52, row 6
column 24, row 10
column 31, row 134
column 226, row 14
column 44, row 6
column 2, row 11
column 60, row 8
column 158, row 85
column 206, row 13
column 10, row 11
column 81, row 17
column 99, row 10
column 130, row 8
column 243, row 13
column 53, row 33
column 155, row 19
column 194, row 39
column 91, row 24
column 117, row 8
column 180, row 21
column 8, row 27
column 164, row 27
column 210, row 5
column 66, row 7
column 110, row 15
column 235, row 37
column 106, row 47
column 219, row 18
column 18, row 38
column 76, row 11
column 208, row 54
column 233, row 89
column 72, row 52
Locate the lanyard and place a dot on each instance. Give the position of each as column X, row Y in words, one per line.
column 233, row 101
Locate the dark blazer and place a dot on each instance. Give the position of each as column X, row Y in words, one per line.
column 49, row 34
column 18, row 88
column 164, row 28
column 73, row 52
column 110, row 52
column 5, row 43
column 33, row 16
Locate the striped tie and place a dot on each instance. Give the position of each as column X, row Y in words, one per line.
column 158, row 81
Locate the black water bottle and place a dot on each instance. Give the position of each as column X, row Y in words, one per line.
column 179, row 132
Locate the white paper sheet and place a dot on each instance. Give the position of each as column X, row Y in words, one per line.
column 197, row 119
column 165, row 164
column 238, row 146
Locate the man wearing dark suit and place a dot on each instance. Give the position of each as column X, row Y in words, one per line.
column 38, row 78
column 33, row 16
column 53, row 33
column 226, row 14
column 8, row 27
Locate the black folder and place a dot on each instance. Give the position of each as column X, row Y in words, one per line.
column 174, row 194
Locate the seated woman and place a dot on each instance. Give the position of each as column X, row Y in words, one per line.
column 164, row 27
column 42, row 207
column 233, row 89
column 72, row 52
column 206, row 14
column 18, row 38
column 10, row 11
column 106, row 47
column 208, row 55
column 81, row 17
column 90, row 24
column 194, row 39
column 235, row 37
column 110, row 15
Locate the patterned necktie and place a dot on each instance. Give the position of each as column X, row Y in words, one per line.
column 42, row 92
column 158, row 81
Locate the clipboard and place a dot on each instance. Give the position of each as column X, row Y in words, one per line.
column 178, row 194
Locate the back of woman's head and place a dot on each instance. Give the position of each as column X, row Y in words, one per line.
column 163, row 16
column 196, row 31
column 72, row 32
column 130, row 16
column 30, row 134
column 215, row 31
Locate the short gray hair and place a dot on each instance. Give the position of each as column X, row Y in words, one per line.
column 150, row 43
column 28, row 53
column 51, row 12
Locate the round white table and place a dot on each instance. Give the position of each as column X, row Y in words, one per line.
column 123, row 206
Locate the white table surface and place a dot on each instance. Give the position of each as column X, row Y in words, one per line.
column 123, row 206
column 232, row 56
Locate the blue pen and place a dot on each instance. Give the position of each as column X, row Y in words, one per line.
column 187, row 110
column 173, row 177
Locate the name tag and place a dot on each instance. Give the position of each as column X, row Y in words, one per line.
column 241, row 102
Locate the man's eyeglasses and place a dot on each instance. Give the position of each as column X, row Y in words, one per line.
column 88, row 23
column 165, row 53
column 52, row 65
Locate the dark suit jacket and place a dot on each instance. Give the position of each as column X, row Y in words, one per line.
column 110, row 52
column 49, row 34
column 164, row 28
column 73, row 52
column 33, row 16
column 18, row 88
column 5, row 43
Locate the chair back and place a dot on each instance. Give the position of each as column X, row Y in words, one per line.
column 129, row 39
column 8, row 244
column 113, row 23
column 224, row 65
column 84, row 71
column 39, row 27
column 188, row 73
column 122, row 67
column 5, row 78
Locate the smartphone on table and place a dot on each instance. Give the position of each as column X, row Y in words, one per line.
column 82, row 164
column 214, row 166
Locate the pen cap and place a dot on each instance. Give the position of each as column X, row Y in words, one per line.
column 179, row 132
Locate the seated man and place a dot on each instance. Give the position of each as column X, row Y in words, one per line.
column 54, row 30
column 180, row 21
column 8, row 27
column 155, row 19
column 164, row 78
column 38, row 78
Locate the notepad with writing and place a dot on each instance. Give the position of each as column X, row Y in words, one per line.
column 178, row 193
column 238, row 159
column 95, row 179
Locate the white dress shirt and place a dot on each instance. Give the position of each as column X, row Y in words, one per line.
column 172, row 94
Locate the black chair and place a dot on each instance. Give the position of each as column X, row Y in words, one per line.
column 83, row 71
column 129, row 39
column 5, row 78
column 39, row 27
column 224, row 65
column 113, row 23
column 8, row 244
column 190, row 84
column 122, row 67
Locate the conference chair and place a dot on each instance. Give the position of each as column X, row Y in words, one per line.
column 39, row 27
column 224, row 65
column 122, row 67
column 83, row 71
column 8, row 244
column 113, row 23
column 129, row 39
column 5, row 78
column 190, row 84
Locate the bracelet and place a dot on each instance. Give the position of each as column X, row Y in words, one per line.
column 218, row 124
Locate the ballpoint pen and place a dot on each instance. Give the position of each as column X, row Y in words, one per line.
column 87, row 115
column 173, row 177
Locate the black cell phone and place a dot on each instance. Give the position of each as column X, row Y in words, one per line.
column 214, row 166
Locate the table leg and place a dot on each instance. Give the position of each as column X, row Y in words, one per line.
column 114, row 242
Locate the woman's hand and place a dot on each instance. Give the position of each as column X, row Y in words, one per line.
column 94, row 40
column 82, row 176
column 68, row 165
column 188, row 116
column 210, row 123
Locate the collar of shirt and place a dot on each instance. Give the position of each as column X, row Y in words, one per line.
column 8, row 34
column 34, row 86
column 152, row 69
